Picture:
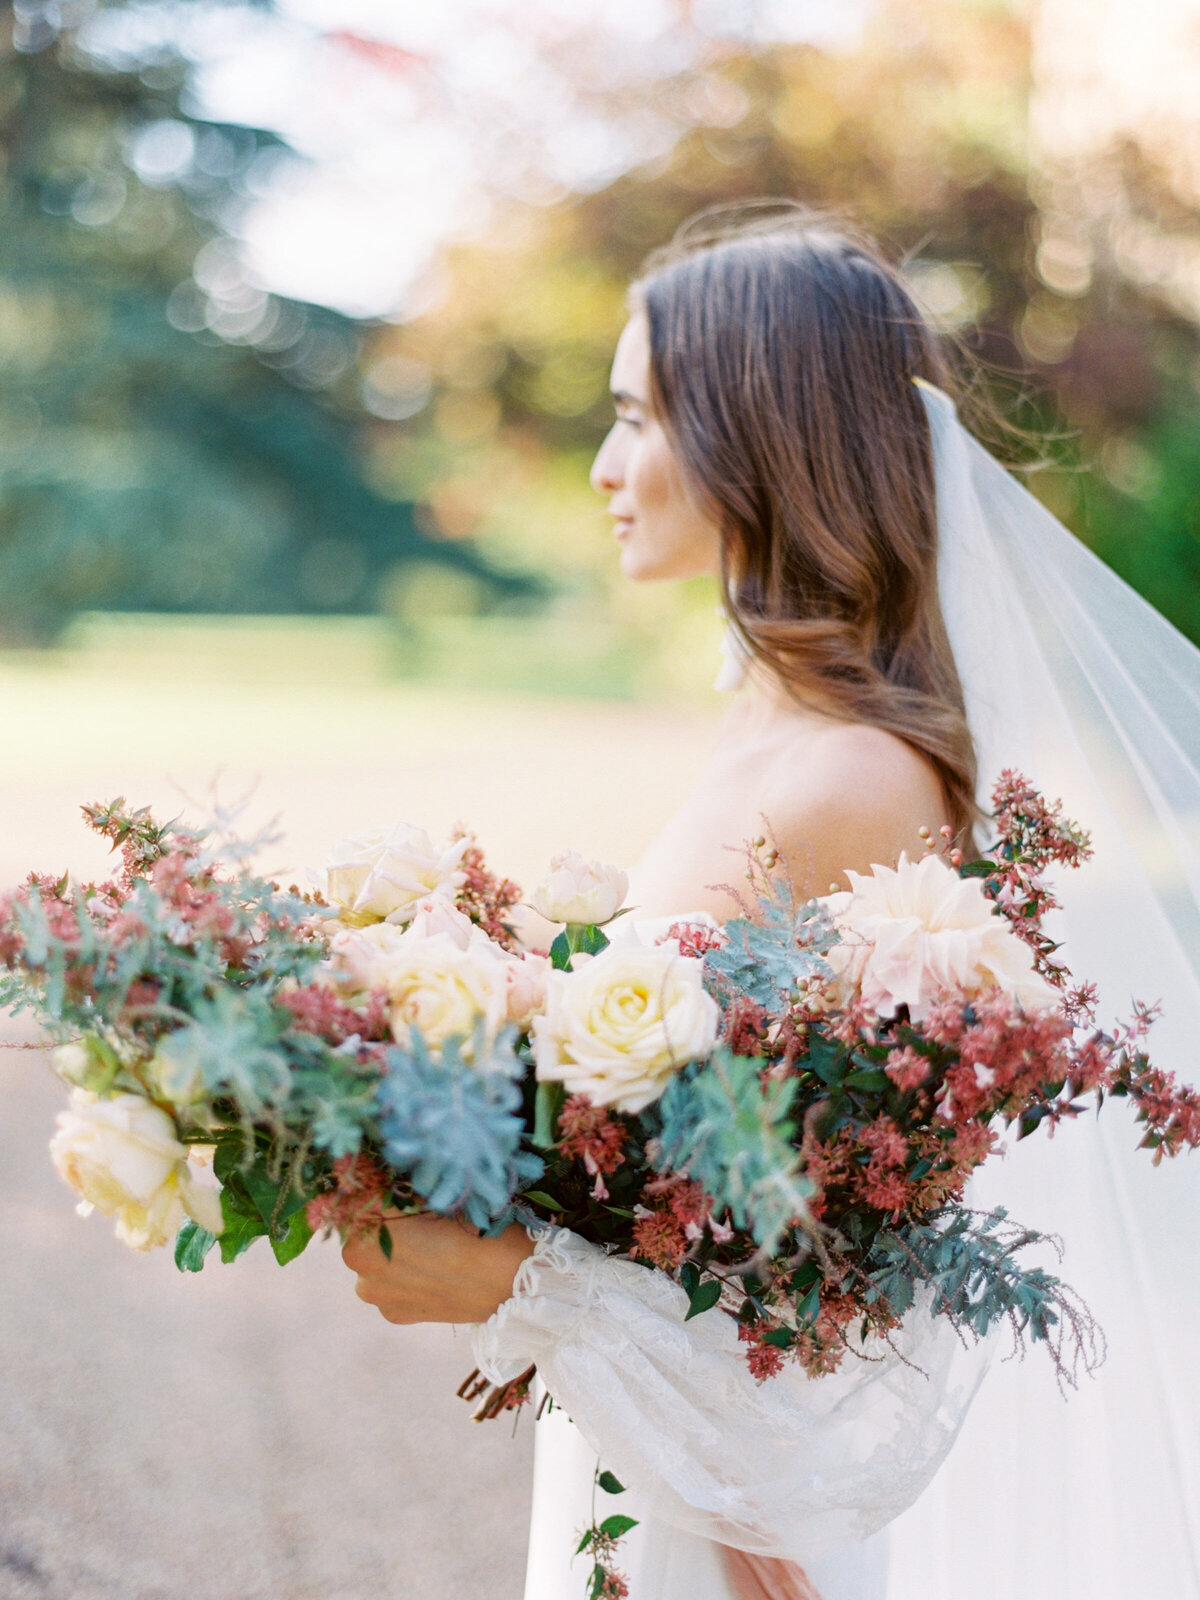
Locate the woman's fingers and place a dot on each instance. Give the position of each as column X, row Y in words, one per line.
column 439, row 1269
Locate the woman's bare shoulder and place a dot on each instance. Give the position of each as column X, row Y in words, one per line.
column 845, row 796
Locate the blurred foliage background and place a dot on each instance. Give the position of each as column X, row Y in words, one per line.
column 181, row 435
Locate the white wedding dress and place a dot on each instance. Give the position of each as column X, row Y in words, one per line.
column 809, row 1469
column 1072, row 678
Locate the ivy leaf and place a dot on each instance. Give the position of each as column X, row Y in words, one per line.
column 192, row 1244
column 610, row 1484
column 294, row 1240
column 869, row 1079
column 689, row 1277
column 706, row 1296
column 241, row 1229
column 617, row 1526
column 809, row 1307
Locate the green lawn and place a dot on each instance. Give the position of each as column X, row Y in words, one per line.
column 310, row 720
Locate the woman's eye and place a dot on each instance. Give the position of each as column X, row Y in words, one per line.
column 630, row 422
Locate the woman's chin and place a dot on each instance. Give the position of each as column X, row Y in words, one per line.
column 642, row 566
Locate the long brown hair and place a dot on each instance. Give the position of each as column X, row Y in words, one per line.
column 783, row 353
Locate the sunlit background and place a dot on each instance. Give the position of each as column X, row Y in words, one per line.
column 306, row 312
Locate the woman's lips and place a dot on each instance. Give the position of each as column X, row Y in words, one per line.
column 624, row 526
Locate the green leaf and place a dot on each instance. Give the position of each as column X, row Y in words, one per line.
column 781, row 1338
column 598, row 1577
column 539, row 1197
column 689, row 1277
column 192, row 1244
column 617, row 1526
column 826, row 1058
column 273, row 1199
column 547, row 1105
column 560, row 953
column 584, row 1542
column 809, row 1307
column 610, row 1484
column 586, row 937
column 868, row 1079
column 977, row 869
column 385, row 1240
column 294, row 1240
column 241, row 1227
column 705, row 1297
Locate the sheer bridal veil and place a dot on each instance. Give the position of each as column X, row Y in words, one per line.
column 1071, row 677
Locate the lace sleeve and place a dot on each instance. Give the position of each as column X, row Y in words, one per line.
column 792, row 1467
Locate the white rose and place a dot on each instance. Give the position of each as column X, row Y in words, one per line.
column 380, row 876
column 618, row 1026
column 442, row 990
column 123, row 1157
column 915, row 934
column 580, row 891
column 359, row 957
column 437, row 913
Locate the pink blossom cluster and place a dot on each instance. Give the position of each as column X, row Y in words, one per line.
column 588, row 1133
column 1034, row 835
column 484, row 897
column 665, row 1230
column 361, row 1192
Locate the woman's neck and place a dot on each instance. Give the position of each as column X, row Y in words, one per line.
column 767, row 701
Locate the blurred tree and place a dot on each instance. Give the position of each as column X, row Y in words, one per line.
column 169, row 442
column 918, row 131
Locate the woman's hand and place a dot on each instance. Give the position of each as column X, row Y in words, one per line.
column 441, row 1270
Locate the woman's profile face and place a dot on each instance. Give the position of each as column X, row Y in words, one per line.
column 659, row 527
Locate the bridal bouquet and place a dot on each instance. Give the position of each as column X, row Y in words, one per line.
column 781, row 1112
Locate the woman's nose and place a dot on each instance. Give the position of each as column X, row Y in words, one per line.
column 607, row 474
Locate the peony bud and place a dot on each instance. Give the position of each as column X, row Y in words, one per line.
column 580, row 892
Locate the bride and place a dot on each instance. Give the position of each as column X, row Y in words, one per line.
column 782, row 424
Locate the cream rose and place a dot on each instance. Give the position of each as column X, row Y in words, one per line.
column 380, row 876
column 618, row 1026
column 913, row 934
column 442, row 990
column 580, row 891
column 123, row 1157
column 359, row 957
